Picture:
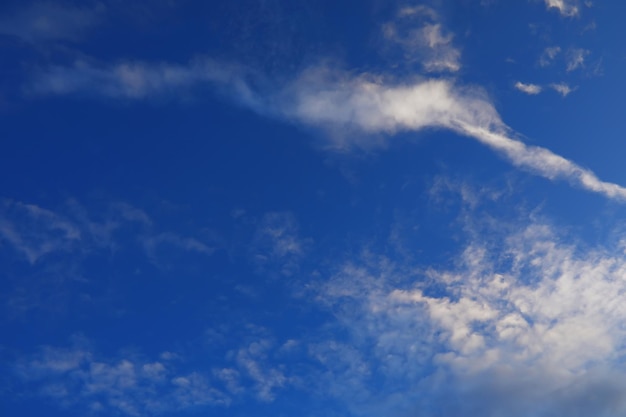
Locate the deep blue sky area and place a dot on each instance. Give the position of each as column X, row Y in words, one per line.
column 314, row 209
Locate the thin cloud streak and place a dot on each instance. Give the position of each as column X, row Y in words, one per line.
column 338, row 102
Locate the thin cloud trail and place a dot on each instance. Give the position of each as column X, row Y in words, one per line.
column 332, row 100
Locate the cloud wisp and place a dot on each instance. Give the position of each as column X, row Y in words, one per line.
column 47, row 21
column 562, row 88
column 531, row 89
column 419, row 32
column 340, row 102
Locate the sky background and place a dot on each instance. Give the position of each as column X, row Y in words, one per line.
column 321, row 209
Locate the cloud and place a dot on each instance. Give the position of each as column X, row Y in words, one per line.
column 534, row 89
column 353, row 108
column 366, row 104
column 518, row 323
column 252, row 360
column 278, row 242
column 568, row 8
column 576, row 58
column 548, row 55
column 79, row 378
column 188, row 244
column 133, row 80
column 531, row 89
column 48, row 21
column 562, row 88
column 418, row 31
column 35, row 232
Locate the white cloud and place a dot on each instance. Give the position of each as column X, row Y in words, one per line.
column 520, row 324
column 576, row 58
column 418, row 31
column 548, row 55
column 129, row 386
column 567, row 8
column 45, row 21
column 531, row 89
column 562, row 88
column 345, row 105
column 369, row 105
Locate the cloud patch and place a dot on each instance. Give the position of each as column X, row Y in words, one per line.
column 576, row 58
column 531, row 89
column 562, row 88
column 423, row 38
column 520, row 324
column 567, row 8
column 342, row 103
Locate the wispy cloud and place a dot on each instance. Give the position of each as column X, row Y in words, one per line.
column 135, row 80
column 568, row 8
column 532, row 89
column 562, row 88
column 51, row 21
column 419, row 32
column 576, row 58
column 35, row 231
column 77, row 377
column 278, row 242
column 342, row 103
column 516, row 318
column 548, row 55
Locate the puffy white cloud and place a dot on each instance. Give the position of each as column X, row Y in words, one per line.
column 531, row 89
column 567, row 8
column 520, row 324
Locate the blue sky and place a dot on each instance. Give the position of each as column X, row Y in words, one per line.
column 334, row 208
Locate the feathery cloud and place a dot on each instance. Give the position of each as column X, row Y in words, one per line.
column 548, row 55
column 562, row 88
column 576, row 58
column 48, row 21
column 419, row 32
column 340, row 102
